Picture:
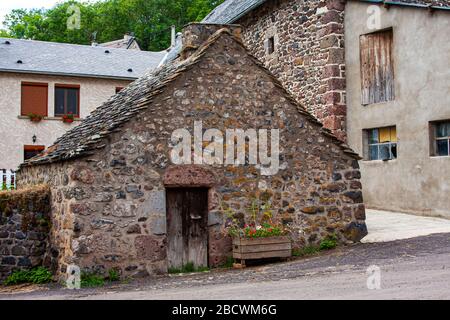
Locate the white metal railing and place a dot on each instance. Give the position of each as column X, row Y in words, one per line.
column 7, row 179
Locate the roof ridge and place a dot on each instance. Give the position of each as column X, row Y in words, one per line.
column 99, row 47
column 232, row 10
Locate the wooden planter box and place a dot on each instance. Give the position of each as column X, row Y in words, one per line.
column 260, row 248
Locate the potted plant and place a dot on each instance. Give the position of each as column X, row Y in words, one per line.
column 68, row 118
column 35, row 117
column 263, row 237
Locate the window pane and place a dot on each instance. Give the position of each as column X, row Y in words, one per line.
column 271, row 45
column 59, row 101
column 442, row 147
column 385, row 151
column 385, row 134
column 393, row 134
column 373, row 152
column 30, row 154
column 441, row 130
column 394, row 150
column 373, row 136
column 72, row 101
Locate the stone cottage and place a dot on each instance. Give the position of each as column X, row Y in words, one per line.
column 119, row 201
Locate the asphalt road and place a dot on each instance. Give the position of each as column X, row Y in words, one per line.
column 417, row 268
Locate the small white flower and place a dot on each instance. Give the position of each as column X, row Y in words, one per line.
column 258, row 228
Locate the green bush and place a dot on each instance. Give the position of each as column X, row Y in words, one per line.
column 113, row 275
column 17, row 277
column 328, row 243
column 38, row 275
column 89, row 280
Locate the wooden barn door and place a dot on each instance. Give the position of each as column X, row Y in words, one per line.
column 187, row 227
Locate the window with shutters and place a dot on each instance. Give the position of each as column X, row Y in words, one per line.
column 34, row 99
column 377, row 67
column 31, row 151
column 380, row 143
column 67, row 100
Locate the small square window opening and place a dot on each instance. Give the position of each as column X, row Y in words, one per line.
column 381, row 143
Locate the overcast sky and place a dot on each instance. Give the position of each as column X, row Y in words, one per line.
column 7, row 5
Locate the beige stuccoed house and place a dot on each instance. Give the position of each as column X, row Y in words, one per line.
column 376, row 73
column 47, row 81
column 400, row 123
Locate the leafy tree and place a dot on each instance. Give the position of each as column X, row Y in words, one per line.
column 4, row 34
column 149, row 20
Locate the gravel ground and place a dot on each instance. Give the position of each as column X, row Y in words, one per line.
column 417, row 268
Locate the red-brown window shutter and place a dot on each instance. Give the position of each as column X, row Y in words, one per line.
column 34, row 98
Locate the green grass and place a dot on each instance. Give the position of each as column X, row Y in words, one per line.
column 305, row 251
column 188, row 268
column 330, row 242
column 228, row 263
column 113, row 275
column 90, row 280
column 37, row 275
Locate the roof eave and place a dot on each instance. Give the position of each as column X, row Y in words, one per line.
column 403, row 4
column 253, row 7
column 64, row 74
column 243, row 13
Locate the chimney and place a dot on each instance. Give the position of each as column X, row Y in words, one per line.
column 195, row 34
column 94, row 39
column 173, row 36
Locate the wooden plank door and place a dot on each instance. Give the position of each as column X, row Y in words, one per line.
column 377, row 67
column 187, row 221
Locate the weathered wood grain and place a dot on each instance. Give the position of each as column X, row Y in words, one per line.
column 187, row 220
column 260, row 248
column 377, row 67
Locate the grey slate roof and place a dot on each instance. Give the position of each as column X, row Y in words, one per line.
column 76, row 60
column 90, row 134
column 124, row 43
column 231, row 10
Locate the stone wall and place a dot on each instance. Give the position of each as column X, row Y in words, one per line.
column 24, row 227
column 309, row 53
column 110, row 208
